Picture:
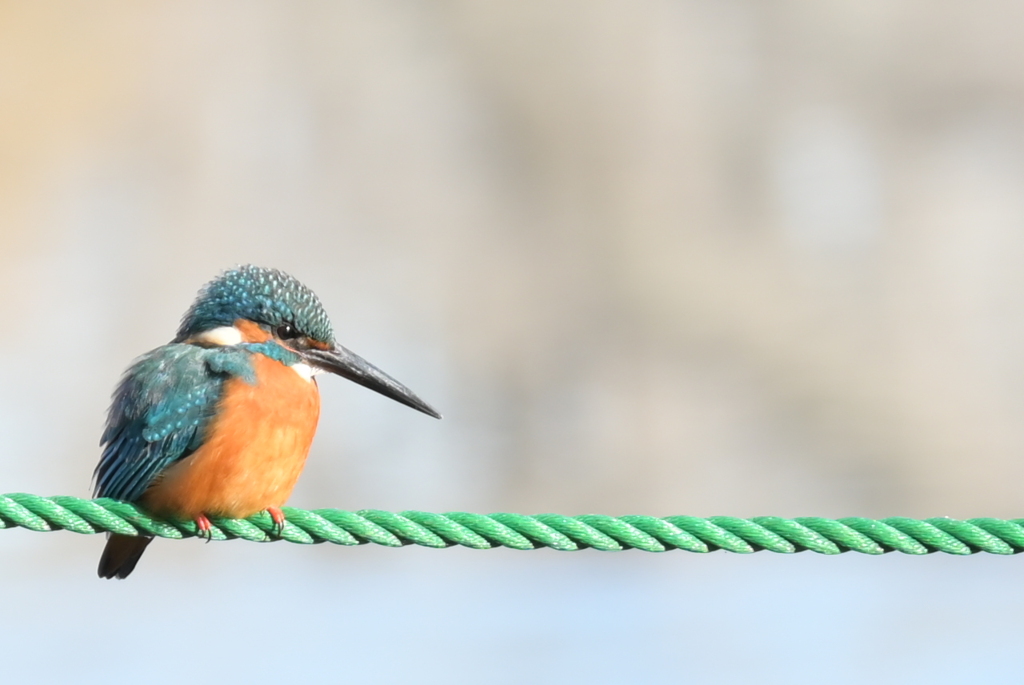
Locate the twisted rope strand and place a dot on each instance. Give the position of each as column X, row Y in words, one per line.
column 518, row 531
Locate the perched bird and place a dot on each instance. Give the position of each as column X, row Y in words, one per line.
column 219, row 421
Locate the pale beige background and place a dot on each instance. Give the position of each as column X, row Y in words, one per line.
column 647, row 257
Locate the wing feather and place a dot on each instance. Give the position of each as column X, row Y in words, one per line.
column 160, row 412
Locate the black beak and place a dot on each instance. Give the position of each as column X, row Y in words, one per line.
column 350, row 365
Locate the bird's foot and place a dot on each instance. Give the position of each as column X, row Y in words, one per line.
column 204, row 528
column 278, row 516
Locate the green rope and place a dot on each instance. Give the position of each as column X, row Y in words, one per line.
column 480, row 531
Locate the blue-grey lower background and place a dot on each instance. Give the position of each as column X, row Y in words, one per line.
column 242, row 612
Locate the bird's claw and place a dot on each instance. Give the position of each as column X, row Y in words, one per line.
column 204, row 529
column 278, row 517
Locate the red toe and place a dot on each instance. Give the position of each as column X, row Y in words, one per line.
column 204, row 526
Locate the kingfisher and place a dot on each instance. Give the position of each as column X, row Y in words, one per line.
column 219, row 421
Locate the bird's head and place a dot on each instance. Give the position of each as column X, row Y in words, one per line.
column 251, row 304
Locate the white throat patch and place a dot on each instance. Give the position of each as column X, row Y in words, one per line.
column 305, row 371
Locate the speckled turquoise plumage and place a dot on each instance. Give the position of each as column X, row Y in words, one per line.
column 159, row 414
column 250, row 292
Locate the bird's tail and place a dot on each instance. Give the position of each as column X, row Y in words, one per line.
column 121, row 554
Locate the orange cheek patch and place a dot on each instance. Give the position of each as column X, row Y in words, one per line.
column 251, row 332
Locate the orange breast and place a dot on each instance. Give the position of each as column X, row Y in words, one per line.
column 254, row 450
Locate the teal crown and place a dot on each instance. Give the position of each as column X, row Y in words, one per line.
column 265, row 296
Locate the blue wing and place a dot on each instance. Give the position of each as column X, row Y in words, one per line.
column 160, row 413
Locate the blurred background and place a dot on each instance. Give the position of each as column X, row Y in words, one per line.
column 662, row 257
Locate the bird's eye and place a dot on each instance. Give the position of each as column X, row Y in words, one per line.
column 287, row 332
